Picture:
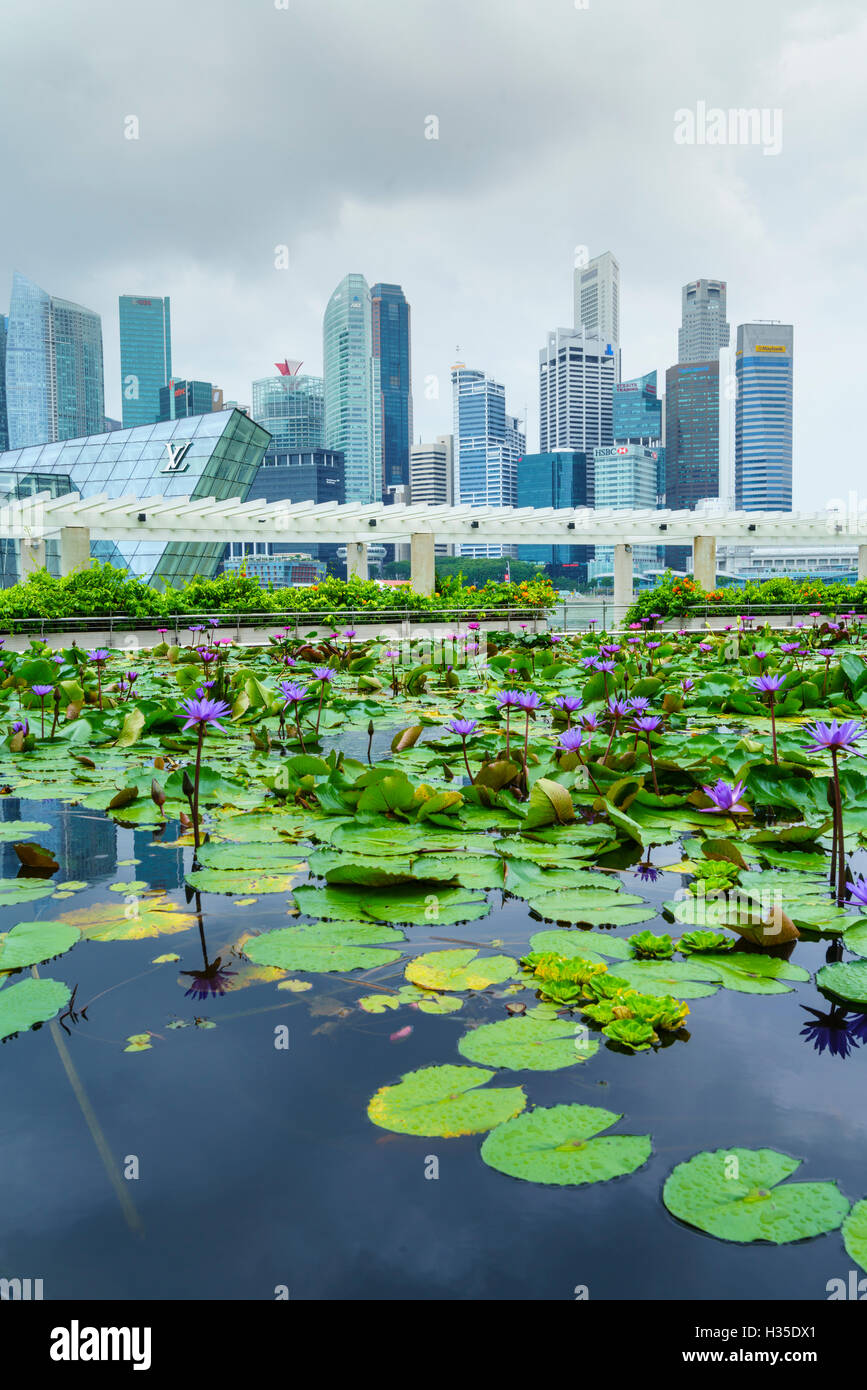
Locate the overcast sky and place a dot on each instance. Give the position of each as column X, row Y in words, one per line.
column 304, row 125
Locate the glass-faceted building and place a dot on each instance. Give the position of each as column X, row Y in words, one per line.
column 637, row 410
column 54, row 373
column 626, row 476
column 352, row 388
column 487, row 445
column 763, row 417
column 16, row 487
column 563, row 478
column 145, row 356
column 390, row 333
column 213, row 455
column 292, row 409
column 4, row 429
column 181, row 399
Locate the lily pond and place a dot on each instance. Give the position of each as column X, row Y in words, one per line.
column 515, row 966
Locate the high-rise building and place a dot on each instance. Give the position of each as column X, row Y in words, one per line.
column 180, row 399
column 562, row 478
column 4, row 428
column 391, row 339
column 576, row 391
column 728, row 400
column 145, row 356
column 352, row 388
column 763, row 425
column 691, row 433
column 54, row 380
column 625, row 476
column 637, row 411
column 431, row 472
column 597, row 301
column 294, row 475
column 703, row 330
column 487, row 445
column 291, row 408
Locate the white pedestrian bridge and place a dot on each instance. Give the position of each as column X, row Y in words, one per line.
column 77, row 521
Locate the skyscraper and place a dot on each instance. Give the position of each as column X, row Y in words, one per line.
column 145, row 356
column 291, row 407
column 352, row 388
column 487, row 445
column 54, row 380
column 637, row 411
column 597, row 301
column 562, row 478
column 691, row 433
column 431, row 472
column 625, row 476
column 390, row 332
column 576, row 391
column 179, row 399
column 763, row 421
column 4, row 428
column 703, row 329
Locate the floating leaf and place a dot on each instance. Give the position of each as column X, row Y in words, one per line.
column 416, row 906
column 21, row 829
column 527, row 1043
column 751, row 1206
column 241, row 881
column 326, row 946
column 30, row 943
column 749, row 973
column 692, row 979
column 855, row 1234
column 30, row 1002
column 558, row 1146
column 459, row 969
column 445, row 1102
column 590, row 945
column 855, row 937
column 594, row 906
column 139, row 1042
column 845, row 979
column 14, row 892
column 131, row 921
column 36, row 857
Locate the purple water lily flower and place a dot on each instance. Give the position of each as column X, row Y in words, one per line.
column 647, row 723
column 42, row 690
column 858, row 892
column 570, row 740
column 647, row 873
column 705, row 646
column 790, row 647
column 508, row 697
column 528, row 699
column 570, row 703
column 21, row 726
column 590, row 721
column 324, row 673
column 204, row 713
column 464, row 727
column 606, row 666
column 835, row 737
column 639, row 703
column 768, row 684
column 687, row 684
column 292, row 692
column 99, row 656
column 726, row 798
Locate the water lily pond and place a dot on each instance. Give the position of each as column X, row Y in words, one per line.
column 532, row 968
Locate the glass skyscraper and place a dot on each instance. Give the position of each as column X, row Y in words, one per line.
column 576, row 385
column 691, row 433
column 292, row 409
column 352, row 388
column 145, row 356
column 563, row 478
column 637, row 410
column 390, row 329
column 625, row 477
column 487, row 445
column 54, row 375
column 763, row 417
column 180, row 399
column 213, row 455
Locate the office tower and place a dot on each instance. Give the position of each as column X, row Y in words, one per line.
column 487, row 445
column 637, row 416
column 763, row 426
column 431, row 472
column 625, row 477
column 390, row 338
column 597, row 301
column 145, row 356
column 54, row 382
column 352, row 388
column 180, row 399
column 300, row 475
column 291, row 408
column 562, row 478
column 212, row 455
column 691, row 433
column 4, row 430
column 576, row 391
column 728, row 399
column 703, row 329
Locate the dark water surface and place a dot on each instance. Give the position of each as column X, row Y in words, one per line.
column 259, row 1168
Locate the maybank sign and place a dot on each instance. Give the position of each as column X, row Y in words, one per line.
column 770, row 347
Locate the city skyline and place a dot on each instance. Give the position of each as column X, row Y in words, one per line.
column 482, row 267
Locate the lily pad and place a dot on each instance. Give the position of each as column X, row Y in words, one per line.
column 281, row 856
column 590, row 945
column 845, row 979
column 855, row 1234
column 595, row 906
column 242, row 881
column 30, row 943
column 559, row 1146
column 446, row 1102
column 15, row 892
column 692, row 979
column 752, row 1206
column 326, row 946
column 416, row 906
column 131, row 921
column 459, row 969
column 30, row 1002
column 11, row 830
column 527, row 1043
column 747, row 972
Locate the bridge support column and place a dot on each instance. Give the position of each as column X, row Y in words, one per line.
column 862, row 562
column 422, row 562
column 356, row 560
column 622, row 581
column 32, row 557
column 704, row 561
column 74, row 549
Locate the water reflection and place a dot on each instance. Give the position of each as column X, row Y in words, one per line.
column 213, row 979
column 835, row 1031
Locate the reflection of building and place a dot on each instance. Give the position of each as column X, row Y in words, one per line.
column 214, row 455
column 390, row 338
column 161, row 866
column 576, row 391
column 283, row 571
column 352, row 388
column 487, row 445
column 54, row 384
column 291, row 408
column 181, row 399
column 703, row 329
column 145, row 356
column 87, row 843
column 625, row 477
column 763, row 419
column 563, row 478
column 597, row 301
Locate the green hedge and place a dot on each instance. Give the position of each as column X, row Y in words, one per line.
column 676, row 596
column 103, row 590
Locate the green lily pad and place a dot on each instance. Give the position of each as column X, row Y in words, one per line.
column 416, row 906
column 747, row 972
column 558, row 1146
column 14, row 892
column 326, row 946
column 459, row 969
column 752, row 1206
column 446, row 1102
column 594, row 906
column 855, row 937
column 30, row 943
column 692, row 979
column 241, row 881
column 277, row 857
column 12, row 830
column 855, row 1234
column 30, row 1002
column 845, row 979
column 527, row 1043
column 590, row 945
